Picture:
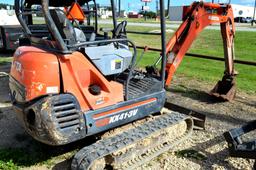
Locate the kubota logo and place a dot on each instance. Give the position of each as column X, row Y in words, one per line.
column 123, row 116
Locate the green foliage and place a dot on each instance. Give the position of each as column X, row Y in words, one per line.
column 9, row 165
column 19, row 157
column 5, row 60
column 151, row 14
column 209, row 42
column 14, row 158
column 148, row 14
column 189, row 153
column 36, row 155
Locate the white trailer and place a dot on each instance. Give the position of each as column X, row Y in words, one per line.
column 8, row 17
column 242, row 11
column 10, row 30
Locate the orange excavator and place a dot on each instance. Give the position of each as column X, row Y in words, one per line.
column 68, row 81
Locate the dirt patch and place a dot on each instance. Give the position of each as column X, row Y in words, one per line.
column 221, row 117
column 12, row 133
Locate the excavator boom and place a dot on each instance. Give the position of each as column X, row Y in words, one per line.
column 198, row 16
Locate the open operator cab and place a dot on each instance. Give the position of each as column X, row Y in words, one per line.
column 69, row 80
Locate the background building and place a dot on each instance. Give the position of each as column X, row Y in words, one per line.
column 175, row 12
column 8, row 17
column 104, row 12
column 242, row 11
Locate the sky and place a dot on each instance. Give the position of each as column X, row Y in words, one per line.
column 135, row 5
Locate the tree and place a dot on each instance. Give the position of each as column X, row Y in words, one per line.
column 148, row 14
column 2, row 5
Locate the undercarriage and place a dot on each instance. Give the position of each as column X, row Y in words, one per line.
column 133, row 145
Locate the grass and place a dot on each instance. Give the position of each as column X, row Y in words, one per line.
column 5, row 57
column 8, row 165
column 12, row 159
column 36, row 155
column 5, row 60
column 193, row 154
column 209, row 42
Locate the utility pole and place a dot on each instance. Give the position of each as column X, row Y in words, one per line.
column 116, row 9
column 119, row 6
column 157, row 8
column 145, row 8
column 253, row 17
column 145, row 12
column 129, row 6
column 168, row 9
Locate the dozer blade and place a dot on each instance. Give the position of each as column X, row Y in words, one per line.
column 128, row 148
column 225, row 89
column 198, row 117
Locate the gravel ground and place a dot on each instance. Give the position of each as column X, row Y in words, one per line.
column 12, row 134
column 220, row 118
column 190, row 93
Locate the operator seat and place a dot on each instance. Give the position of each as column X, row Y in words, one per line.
column 120, row 30
column 68, row 32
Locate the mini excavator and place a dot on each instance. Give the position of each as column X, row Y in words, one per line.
column 68, row 81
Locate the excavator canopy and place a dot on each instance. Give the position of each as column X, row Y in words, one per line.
column 57, row 3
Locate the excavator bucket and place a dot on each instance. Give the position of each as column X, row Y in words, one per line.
column 225, row 89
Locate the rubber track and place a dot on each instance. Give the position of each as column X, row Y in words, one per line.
column 85, row 158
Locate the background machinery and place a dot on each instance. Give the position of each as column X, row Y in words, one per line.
column 68, row 81
column 238, row 146
column 10, row 30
